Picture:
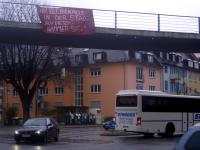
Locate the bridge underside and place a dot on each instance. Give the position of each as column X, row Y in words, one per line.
column 105, row 38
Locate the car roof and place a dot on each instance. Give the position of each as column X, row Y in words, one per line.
column 40, row 118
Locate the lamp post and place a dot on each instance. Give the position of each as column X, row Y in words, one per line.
column 36, row 102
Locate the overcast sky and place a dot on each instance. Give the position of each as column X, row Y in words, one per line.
column 172, row 7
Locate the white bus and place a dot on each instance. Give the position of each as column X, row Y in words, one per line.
column 150, row 112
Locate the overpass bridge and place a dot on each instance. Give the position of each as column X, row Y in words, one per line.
column 114, row 30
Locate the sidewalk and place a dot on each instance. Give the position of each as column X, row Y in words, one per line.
column 8, row 130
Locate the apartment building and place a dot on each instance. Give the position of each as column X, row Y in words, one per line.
column 181, row 73
column 95, row 78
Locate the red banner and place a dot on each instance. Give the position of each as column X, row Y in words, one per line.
column 69, row 21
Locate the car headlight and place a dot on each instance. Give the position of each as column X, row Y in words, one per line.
column 39, row 131
column 16, row 132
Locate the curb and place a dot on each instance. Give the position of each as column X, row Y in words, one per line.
column 118, row 133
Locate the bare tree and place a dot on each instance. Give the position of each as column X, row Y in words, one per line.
column 19, row 10
column 27, row 67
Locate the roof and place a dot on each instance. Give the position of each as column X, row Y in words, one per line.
column 132, row 92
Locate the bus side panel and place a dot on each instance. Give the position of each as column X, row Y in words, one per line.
column 156, row 122
column 196, row 118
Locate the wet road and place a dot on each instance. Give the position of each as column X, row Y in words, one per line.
column 90, row 138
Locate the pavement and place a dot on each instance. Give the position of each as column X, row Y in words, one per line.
column 9, row 130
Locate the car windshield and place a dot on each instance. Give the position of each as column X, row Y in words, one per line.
column 35, row 122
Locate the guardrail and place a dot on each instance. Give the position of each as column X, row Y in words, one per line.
column 111, row 19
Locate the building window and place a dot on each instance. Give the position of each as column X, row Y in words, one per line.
column 79, row 88
column 95, row 72
column 196, row 65
column 16, row 106
column 173, row 87
column 15, row 93
column 139, row 74
column 31, row 107
column 173, row 57
column 166, row 85
column 81, row 59
column 150, row 58
column 152, row 73
column 43, row 91
column 152, row 88
column 174, row 70
column 138, row 56
column 190, row 76
column 166, row 69
column 179, row 58
column 190, row 63
column 98, row 56
column 95, row 88
column 167, row 56
column 78, row 58
column 59, row 90
column 161, row 54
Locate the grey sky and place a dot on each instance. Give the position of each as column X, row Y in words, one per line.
column 173, row 7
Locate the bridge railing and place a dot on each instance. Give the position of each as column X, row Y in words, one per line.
column 111, row 19
column 146, row 21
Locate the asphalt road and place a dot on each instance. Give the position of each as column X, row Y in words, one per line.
column 90, row 138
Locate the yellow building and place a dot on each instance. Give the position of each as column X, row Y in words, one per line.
column 95, row 79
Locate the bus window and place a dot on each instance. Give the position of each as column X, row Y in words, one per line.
column 126, row 101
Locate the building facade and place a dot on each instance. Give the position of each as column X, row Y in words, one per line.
column 96, row 77
column 181, row 73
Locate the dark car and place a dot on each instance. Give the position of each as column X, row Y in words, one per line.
column 109, row 125
column 38, row 129
column 190, row 140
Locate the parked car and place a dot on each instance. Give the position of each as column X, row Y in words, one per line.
column 109, row 125
column 190, row 140
column 38, row 129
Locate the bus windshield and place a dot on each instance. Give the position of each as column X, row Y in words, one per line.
column 126, row 101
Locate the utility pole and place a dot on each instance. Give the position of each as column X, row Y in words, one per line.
column 36, row 102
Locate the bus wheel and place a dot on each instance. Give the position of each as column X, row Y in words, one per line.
column 169, row 130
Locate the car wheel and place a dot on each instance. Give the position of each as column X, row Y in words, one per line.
column 106, row 129
column 17, row 141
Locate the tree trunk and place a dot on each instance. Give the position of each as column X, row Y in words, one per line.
column 26, row 110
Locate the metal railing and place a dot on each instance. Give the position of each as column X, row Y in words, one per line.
column 111, row 19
